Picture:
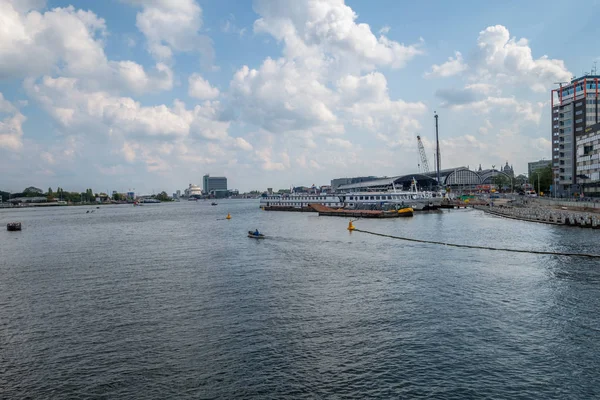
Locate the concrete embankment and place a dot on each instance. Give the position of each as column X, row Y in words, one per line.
column 546, row 215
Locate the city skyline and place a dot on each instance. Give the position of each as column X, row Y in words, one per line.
column 128, row 94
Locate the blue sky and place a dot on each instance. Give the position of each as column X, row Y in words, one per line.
column 151, row 95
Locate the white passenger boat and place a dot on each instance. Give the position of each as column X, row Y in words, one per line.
column 301, row 200
column 394, row 198
column 414, row 198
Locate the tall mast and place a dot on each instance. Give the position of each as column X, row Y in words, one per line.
column 437, row 149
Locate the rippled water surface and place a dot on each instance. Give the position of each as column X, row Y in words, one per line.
column 174, row 301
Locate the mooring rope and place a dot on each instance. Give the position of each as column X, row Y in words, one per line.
column 552, row 253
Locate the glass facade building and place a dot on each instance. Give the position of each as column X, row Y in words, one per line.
column 574, row 109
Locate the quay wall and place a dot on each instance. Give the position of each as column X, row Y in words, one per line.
column 546, row 216
column 567, row 203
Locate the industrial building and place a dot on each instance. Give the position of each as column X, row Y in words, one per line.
column 574, row 108
column 215, row 185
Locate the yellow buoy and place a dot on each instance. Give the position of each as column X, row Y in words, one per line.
column 350, row 226
column 228, row 216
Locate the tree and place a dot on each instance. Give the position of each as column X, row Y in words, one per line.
column 32, row 191
column 117, row 197
column 163, row 196
column 502, row 181
column 541, row 179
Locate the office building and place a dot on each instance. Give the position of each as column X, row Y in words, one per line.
column 215, row 185
column 574, row 109
column 588, row 161
column 535, row 165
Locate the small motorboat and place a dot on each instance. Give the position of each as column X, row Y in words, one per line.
column 253, row 235
column 214, row 204
column 13, row 226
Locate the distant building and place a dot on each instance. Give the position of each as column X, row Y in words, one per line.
column 509, row 170
column 535, row 165
column 215, row 185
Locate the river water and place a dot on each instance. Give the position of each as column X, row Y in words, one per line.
column 174, row 301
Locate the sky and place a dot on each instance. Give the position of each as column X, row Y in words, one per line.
column 150, row 95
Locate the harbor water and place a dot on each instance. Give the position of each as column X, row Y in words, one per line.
column 175, row 301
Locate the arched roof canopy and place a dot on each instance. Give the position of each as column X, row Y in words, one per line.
column 422, row 180
column 462, row 176
column 488, row 175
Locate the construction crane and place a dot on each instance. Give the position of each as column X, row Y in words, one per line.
column 424, row 163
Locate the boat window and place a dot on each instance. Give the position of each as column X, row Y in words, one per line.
column 351, row 197
column 361, row 198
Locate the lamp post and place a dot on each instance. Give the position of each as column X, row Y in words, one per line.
column 493, row 176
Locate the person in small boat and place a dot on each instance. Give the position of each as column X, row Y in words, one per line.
column 256, row 233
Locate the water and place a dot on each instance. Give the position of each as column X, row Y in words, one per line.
column 174, row 301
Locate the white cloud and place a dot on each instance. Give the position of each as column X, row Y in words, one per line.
column 242, row 144
column 229, row 26
column 11, row 125
column 510, row 60
column 32, row 43
column 201, row 88
column 69, row 42
column 173, row 26
column 453, row 66
column 330, row 26
column 384, row 30
column 281, row 97
column 337, row 142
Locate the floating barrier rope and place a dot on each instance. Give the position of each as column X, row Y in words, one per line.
column 468, row 246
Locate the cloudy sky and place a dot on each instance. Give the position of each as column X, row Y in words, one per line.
column 152, row 94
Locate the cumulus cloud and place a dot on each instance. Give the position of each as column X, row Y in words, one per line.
column 11, row 125
column 318, row 83
column 510, row 60
column 281, row 97
column 200, row 88
column 173, row 26
column 453, row 66
column 330, row 26
column 146, row 132
column 68, row 42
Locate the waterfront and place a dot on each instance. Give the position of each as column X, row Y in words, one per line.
column 174, row 301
